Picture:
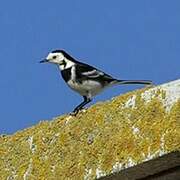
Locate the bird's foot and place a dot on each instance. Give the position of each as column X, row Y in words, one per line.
column 75, row 112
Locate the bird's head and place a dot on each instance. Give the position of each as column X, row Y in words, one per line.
column 61, row 58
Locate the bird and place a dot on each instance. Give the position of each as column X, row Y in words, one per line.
column 83, row 78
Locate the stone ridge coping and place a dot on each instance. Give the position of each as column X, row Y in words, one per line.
column 153, row 168
column 107, row 138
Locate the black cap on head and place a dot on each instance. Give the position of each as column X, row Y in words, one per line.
column 65, row 54
column 58, row 51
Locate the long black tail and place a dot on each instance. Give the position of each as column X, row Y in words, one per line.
column 147, row 82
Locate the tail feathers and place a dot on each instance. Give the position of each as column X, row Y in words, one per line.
column 146, row 82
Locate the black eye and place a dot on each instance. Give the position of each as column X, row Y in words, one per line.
column 54, row 57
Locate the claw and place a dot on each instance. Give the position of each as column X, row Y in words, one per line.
column 74, row 113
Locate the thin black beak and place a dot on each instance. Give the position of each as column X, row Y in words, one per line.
column 44, row 61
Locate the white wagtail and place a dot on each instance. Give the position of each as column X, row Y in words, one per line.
column 83, row 78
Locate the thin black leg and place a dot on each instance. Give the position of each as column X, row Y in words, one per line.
column 81, row 105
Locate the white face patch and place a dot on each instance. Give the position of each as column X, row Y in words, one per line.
column 59, row 59
column 55, row 57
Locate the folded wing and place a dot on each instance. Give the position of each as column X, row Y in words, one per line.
column 86, row 72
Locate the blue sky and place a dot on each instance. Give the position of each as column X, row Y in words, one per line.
column 128, row 39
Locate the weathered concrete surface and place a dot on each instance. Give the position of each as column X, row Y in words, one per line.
column 166, row 167
column 106, row 138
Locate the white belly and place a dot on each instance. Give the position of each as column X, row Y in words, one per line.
column 87, row 88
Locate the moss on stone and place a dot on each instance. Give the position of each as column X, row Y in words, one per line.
column 109, row 133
